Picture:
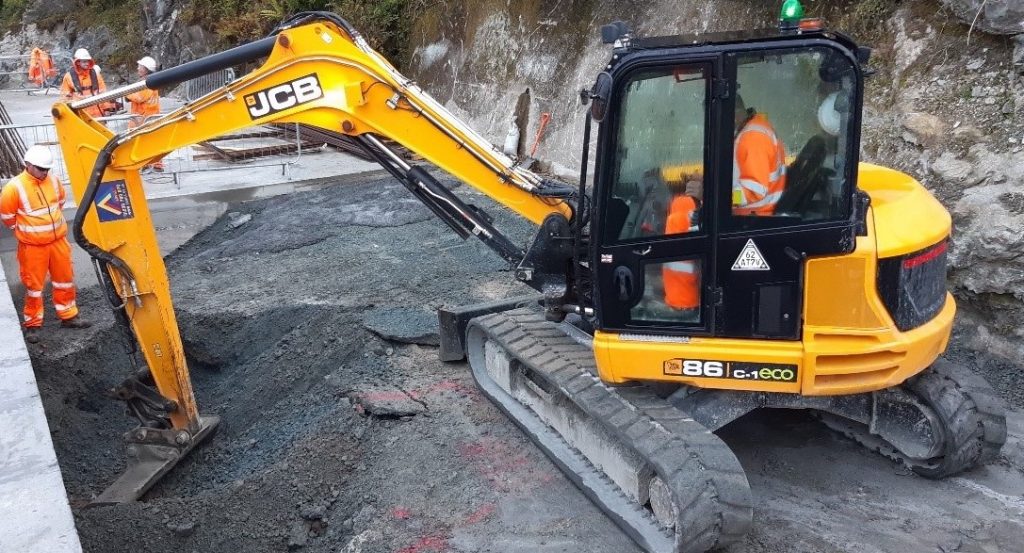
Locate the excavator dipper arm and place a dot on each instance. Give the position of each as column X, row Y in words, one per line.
column 318, row 71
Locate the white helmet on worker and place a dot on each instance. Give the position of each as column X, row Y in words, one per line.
column 149, row 63
column 39, row 156
column 82, row 55
column 828, row 116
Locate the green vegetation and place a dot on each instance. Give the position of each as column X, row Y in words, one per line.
column 384, row 23
column 11, row 12
column 864, row 17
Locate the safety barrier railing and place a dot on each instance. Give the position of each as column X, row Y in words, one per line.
column 262, row 146
column 205, row 84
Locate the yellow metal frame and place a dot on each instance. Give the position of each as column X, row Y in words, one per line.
column 849, row 342
column 362, row 93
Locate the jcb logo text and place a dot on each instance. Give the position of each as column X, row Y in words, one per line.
column 283, row 96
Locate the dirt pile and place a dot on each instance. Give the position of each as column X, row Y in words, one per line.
column 335, row 439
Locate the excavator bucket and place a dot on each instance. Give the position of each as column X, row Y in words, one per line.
column 149, row 460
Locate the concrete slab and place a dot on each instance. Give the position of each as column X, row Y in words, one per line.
column 34, row 513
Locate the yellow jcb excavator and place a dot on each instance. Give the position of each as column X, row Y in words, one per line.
column 832, row 298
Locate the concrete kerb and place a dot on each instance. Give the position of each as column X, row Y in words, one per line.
column 35, row 516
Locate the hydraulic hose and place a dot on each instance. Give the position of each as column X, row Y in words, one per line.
column 86, row 205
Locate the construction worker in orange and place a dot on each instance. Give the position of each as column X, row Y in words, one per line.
column 83, row 81
column 759, row 164
column 145, row 103
column 30, row 205
column 40, row 67
column 681, row 279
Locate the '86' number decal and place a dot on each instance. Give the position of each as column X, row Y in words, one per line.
column 697, row 368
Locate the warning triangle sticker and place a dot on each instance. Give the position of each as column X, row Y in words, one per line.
column 750, row 259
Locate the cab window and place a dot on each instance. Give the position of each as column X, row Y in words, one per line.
column 792, row 117
column 659, row 156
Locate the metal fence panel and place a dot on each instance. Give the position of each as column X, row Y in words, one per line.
column 205, row 84
column 261, row 146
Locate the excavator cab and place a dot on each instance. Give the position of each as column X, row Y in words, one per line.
column 671, row 110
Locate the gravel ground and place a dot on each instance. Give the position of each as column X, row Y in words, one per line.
column 335, row 439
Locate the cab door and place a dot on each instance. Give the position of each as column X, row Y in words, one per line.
column 675, row 126
column 655, row 259
column 792, row 156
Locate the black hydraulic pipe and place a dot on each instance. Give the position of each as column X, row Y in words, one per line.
column 402, row 177
column 202, row 66
column 451, row 203
column 103, row 259
column 462, row 218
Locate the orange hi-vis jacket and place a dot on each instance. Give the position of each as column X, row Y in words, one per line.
column 40, row 67
column 759, row 168
column 681, row 278
column 32, row 209
column 83, row 84
column 145, row 104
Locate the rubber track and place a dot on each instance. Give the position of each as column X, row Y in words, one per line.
column 973, row 416
column 703, row 474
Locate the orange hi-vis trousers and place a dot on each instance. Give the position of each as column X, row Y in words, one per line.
column 35, row 262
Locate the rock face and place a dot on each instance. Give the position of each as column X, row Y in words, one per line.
column 168, row 39
column 165, row 38
column 941, row 108
column 1004, row 17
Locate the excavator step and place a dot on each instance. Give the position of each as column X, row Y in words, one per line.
column 668, row 482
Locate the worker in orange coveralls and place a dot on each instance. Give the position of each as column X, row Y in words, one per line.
column 40, row 67
column 682, row 278
column 30, row 205
column 759, row 164
column 82, row 81
column 145, row 104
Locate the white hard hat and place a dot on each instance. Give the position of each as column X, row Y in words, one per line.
column 828, row 116
column 149, row 63
column 82, row 54
column 39, row 156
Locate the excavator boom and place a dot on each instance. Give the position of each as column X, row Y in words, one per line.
column 318, row 71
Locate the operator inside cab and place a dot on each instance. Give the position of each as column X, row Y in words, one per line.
column 759, row 163
column 681, row 279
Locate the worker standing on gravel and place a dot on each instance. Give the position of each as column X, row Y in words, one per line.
column 30, row 205
column 82, row 81
column 145, row 103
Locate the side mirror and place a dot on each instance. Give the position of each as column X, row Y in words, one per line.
column 600, row 94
